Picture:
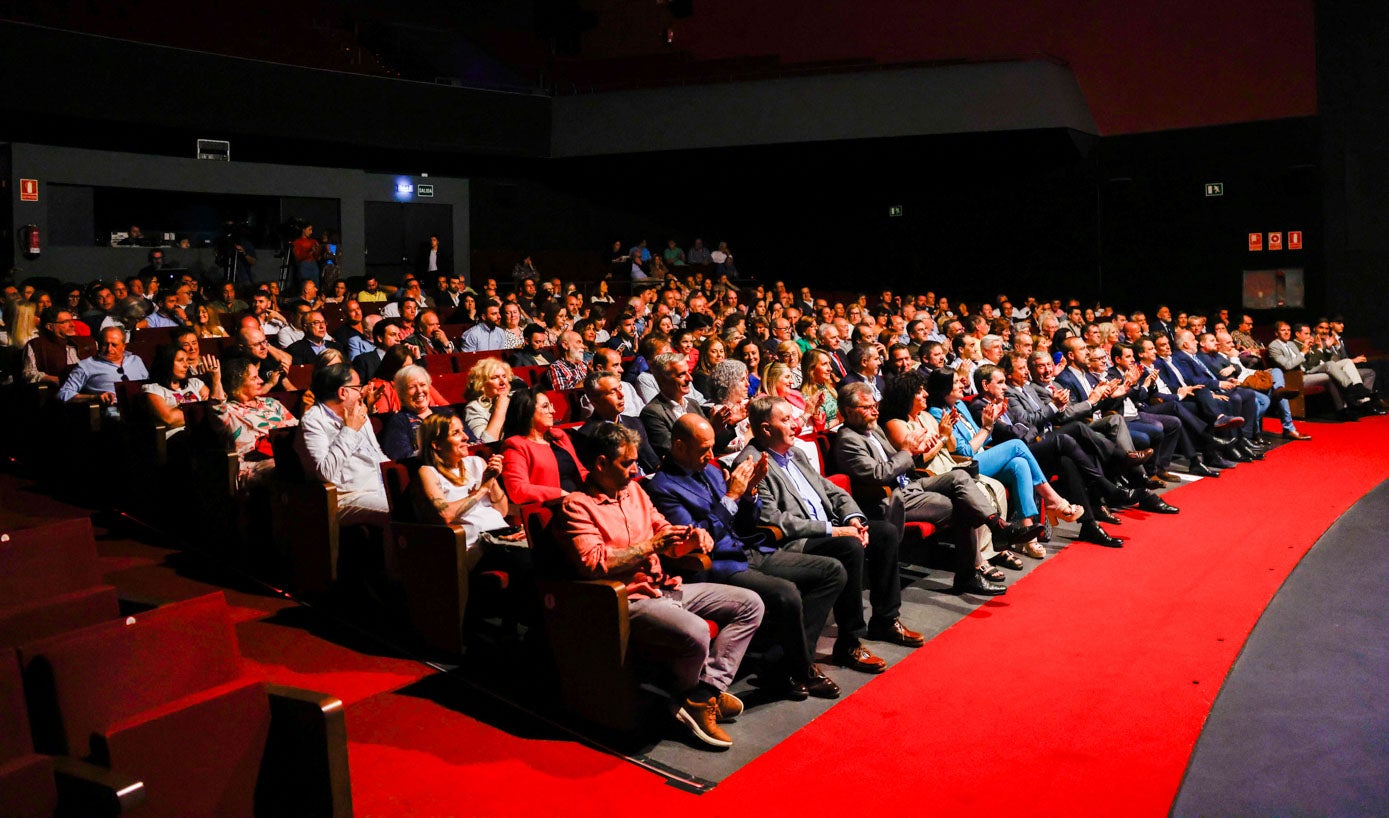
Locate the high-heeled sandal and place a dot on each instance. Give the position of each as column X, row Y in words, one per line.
column 1068, row 513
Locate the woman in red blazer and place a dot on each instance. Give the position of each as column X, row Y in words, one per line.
column 539, row 462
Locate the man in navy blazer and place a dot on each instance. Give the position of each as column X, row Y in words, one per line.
column 798, row 589
column 864, row 366
column 1240, row 400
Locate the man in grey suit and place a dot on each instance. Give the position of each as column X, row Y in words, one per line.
column 673, row 401
column 863, row 451
column 817, row 517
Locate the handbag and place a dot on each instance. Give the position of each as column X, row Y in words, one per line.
column 968, row 465
column 1260, row 381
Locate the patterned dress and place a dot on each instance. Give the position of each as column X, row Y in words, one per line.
column 246, row 426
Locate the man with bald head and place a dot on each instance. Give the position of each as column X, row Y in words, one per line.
column 251, row 343
column 798, row 590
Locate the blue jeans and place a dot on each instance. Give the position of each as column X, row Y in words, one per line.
column 1013, row 465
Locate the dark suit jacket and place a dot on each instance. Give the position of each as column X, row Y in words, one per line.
column 1193, row 372
column 1067, row 379
column 855, row 377
column 782, row 507
column 583, row 443
column 367, row 363
column 523, row 358
column 1215, row 363
column 684, row 500
column 659, row 418
column 301, row 352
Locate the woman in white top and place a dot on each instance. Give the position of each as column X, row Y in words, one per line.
column 455, row 487
column 172, row 387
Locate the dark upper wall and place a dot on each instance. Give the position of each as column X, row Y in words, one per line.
column 1143, row 66
column 1353, row 75
column 74, row 88
column 908, row 102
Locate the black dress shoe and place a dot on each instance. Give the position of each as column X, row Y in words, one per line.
column 1013, row 533
column 1212, row 439
column 784, row 686
column 1201, row 469
column 1250, row 450
column 1119, row 496
column 975, row 583
column 1237, row 454
column 1152, row 502
column 1091, row 532
column 821, row 686
column 1104, row 515
column 1154, row 483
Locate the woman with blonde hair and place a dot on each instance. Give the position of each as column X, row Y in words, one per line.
column 818, row 389
column 22, row 322
column 207, row 321
column 489, row 395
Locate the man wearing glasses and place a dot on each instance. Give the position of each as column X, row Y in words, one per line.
column 952, row 498
column 57, row 346
column 94, row 379
column 315, row 341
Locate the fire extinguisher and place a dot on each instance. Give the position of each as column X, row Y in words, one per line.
column 32, row 245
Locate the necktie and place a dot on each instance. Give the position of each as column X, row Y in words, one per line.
column 1204, row 368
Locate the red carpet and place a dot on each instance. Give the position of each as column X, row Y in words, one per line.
column 1081, row 692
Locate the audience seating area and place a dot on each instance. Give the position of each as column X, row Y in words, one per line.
column 155, row 706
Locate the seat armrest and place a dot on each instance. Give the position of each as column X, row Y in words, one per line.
column 688, row 564
column 304, row 770
column 86, row 789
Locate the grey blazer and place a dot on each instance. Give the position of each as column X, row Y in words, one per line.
column 856, row 458
column 659, row 418
column 782, row 505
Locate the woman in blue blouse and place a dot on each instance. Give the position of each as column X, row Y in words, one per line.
column 1009, row 462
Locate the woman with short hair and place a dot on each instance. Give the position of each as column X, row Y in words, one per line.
column 415, row 398
column 489, row 397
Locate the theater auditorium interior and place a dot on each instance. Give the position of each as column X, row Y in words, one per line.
column 558, row 407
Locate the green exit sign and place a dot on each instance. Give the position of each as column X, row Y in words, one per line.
column 895, row 211
column 1215, row 188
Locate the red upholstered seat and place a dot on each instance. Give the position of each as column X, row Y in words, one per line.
column 566, row 403
column 452, row 385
